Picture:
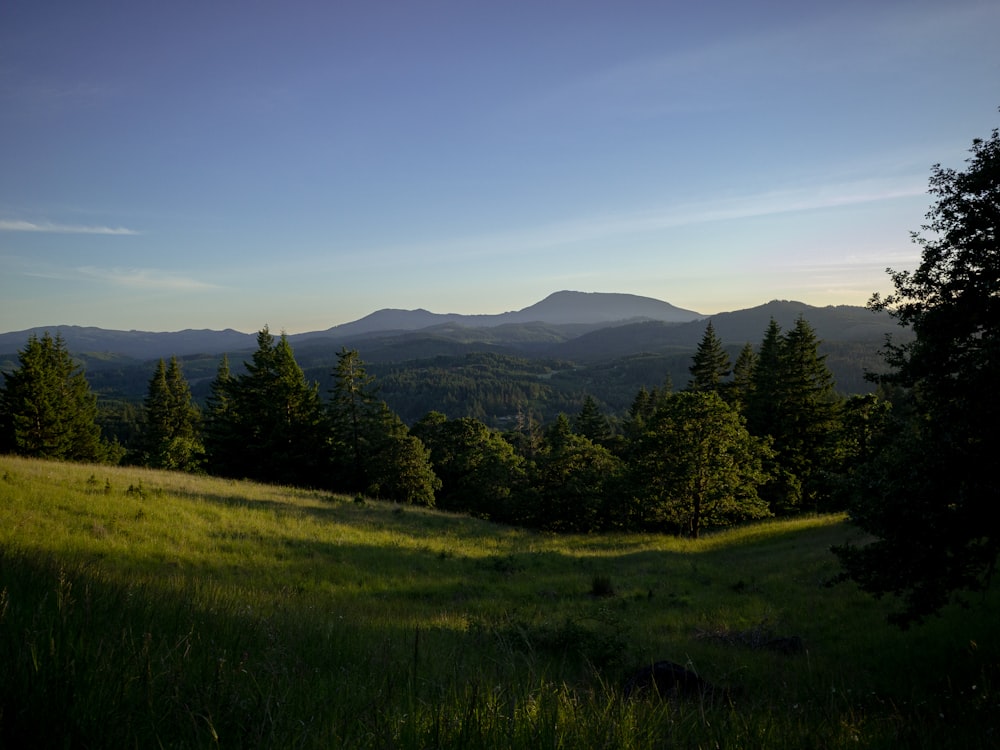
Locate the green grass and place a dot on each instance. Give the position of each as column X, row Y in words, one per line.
column 143, row 609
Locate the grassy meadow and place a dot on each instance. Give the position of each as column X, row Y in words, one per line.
column 154, row 609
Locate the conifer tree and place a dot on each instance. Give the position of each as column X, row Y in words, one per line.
column 742, row 385
column 169, row 434
column 221, row 425
column 591, row 423
column 47, row 408
column 710, row 363
column 265, row 424
column 372, row 449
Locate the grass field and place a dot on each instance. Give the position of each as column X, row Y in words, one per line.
column 145, row 609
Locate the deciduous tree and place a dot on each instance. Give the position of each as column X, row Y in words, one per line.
column 698, row 466
column 931, row 500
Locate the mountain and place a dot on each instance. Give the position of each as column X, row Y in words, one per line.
column 560, row 308
column 580, row 310
column 133, row 344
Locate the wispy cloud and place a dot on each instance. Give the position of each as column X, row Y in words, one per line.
column 667, row 216
column 145, row 278
column 20, row 225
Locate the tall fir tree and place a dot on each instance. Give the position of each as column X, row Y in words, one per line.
column 220, row 428
column 266, row 423
column 170, row 431
column 710, row 365
column 47, row 408
column 742, row 386
column 372, row 449
column 591, row 423
column 792, row 401
column 352, row 410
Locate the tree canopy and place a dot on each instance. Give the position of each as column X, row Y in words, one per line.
column 930, row 497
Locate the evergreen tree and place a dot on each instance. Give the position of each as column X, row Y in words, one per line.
column 372, row 449
column 221, row 425
column 46, row 406
column 591, row 423
column 710, row 364
column 931, row 496
column 266, row 424
column 806, row 433
column 698, row 467
column 766, row 388
column 791, row 400
column 742, row 386
column 169, row 433
column 352, row 411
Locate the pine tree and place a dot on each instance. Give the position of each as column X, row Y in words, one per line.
column 710, row 363
column 591, row 423
column 265, row 424
column 221, row 425
column 742, row 387
column 372, row 450
column 170, row 430
column 46, row 406
column 792, row 401
column 352, row 411
column 806, row 433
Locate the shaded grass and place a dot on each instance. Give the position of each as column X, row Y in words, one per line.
column 196, row 611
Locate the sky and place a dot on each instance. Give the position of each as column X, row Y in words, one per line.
column 217, row 164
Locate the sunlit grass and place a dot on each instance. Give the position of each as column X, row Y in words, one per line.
column 189, row 608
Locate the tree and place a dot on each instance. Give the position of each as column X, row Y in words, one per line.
column 266, row 423
column 808, row 418
column 372, row 449
column 790, row 398
column 480, row 472
column 47, row 409
column 742, row 385
column 710, row 363
column 351, row 411
column 397, row 465
column 570, row 482
column 591, row 423
column 169, row 433
column 221, row 425
column 698, row 466
column 932, row 495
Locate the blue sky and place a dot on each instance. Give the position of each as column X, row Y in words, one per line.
column 220, row 164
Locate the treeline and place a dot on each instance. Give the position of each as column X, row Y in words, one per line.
column 764, row 434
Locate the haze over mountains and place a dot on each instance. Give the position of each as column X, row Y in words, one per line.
column 568, row 324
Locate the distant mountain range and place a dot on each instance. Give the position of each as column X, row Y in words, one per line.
column 581, row 310
column 568, row 325
column 541, row 359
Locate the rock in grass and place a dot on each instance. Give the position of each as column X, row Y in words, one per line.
column 667, row 679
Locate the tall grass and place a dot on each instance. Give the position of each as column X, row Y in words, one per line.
column 142, row 608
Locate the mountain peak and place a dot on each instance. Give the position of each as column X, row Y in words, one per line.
column 601, row 307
